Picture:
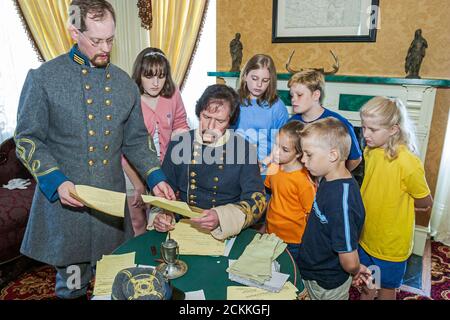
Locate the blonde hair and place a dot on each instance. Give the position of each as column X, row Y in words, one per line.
column 329, row 132
column 312, row 79
column 259, row 61
column 391, row 112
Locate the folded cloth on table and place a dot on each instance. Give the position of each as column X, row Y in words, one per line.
column 255, row 263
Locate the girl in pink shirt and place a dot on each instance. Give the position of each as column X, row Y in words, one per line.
column 164, row 116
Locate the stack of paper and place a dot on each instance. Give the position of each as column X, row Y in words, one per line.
column 107, row 269
column 289, row 292
column 193, row 241
column 275, row 284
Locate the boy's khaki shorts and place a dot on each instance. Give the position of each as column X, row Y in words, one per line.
column 316, row 292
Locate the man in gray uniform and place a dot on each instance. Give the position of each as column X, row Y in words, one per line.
column 77, row 115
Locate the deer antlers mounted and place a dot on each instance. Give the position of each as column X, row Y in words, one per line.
column 335, row 65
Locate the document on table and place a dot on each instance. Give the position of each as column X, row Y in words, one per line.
column 109, row 202
column 179, row 207
column 275, row 284
column 288, row 292
column 107, row 269
column 193, row 241
column 195, row 295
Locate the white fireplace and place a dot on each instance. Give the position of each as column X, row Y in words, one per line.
column 346, row 94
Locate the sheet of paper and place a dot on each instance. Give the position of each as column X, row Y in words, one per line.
column 193, row 241
column 172, row 206
column 195, row 295
column 275, row 284
column 289, row 292
column 107, row 269
column 107, row 297
column 109, row 202
column 228, row 246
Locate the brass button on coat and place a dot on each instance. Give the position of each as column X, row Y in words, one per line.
column 105, row 162
column 107, row 132
column 193, row 181
column 91, row 133
column 193, row 174
column 87, row 87
column 108, row 102
column 89, row 101
column 193, row 187
column 91, row 162
column 216, row 179
column 106, row 148
column 91, row 149
column 108, row 75
column 107, row 89
column 91, row 117
column 109, row 117
column 84, row 71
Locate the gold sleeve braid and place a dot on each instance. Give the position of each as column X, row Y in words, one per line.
column 32, row 166
column 255, row 211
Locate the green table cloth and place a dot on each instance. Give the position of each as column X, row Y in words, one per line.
column 205, row 273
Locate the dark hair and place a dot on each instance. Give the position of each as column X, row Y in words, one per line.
column 153, row 62
column 98, row 8
column 259, row 61
column 219, row 92
column 293, row 129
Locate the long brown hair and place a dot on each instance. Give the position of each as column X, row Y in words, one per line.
column 259, row 61
column 153, row 62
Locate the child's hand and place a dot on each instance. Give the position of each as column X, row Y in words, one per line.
column 363, row 277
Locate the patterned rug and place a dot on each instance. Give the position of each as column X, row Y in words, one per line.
column 440, row 277
column 39, row 282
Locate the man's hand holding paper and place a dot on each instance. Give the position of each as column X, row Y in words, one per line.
column 164, row 221
column 209, row 221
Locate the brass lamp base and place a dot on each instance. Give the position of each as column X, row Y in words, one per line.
column 173, row 270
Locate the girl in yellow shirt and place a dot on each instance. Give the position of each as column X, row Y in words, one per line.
column 292, row 189
column 394, row 187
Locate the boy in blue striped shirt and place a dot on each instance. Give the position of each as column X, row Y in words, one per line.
column 328, row 259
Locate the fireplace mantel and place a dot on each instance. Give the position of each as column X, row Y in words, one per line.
column 346, row 95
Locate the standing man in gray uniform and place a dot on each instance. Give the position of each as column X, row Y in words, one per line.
column 77, row 115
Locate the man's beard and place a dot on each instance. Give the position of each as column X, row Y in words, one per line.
column 102, row 63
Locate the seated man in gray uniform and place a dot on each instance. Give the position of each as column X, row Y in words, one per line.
column 214, row 169
column 77, row 115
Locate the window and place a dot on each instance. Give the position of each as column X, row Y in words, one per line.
column 204, row 61
column 17, row 56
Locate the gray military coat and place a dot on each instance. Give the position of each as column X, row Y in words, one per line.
column 75, row 122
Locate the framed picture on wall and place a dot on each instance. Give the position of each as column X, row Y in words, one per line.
column 324, row 20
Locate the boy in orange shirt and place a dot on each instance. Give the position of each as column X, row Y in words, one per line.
column 292, row 189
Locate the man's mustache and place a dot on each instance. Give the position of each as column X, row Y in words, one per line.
column 99, row 55
column 212, row 135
